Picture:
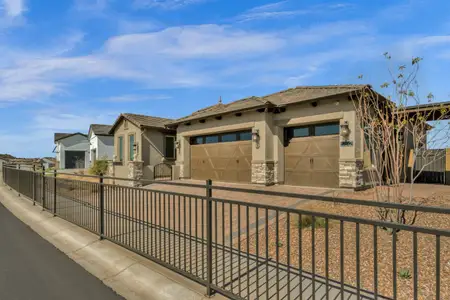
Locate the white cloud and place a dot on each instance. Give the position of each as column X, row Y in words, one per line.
column 165, row 4
column 283, row 10
column 14, row 8
column 195, row 42
column 177, row 57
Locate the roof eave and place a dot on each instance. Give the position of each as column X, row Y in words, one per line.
column 266, row 104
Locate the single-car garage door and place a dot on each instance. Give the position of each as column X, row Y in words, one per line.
column 312, row 155
column 222, row 157
column 74, row 159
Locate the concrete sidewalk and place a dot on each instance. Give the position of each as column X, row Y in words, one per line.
column 128, row 274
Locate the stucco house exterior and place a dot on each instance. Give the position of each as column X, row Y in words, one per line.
column 101, row 142
column 72, row 150
column 306, row 136
column 140, row 143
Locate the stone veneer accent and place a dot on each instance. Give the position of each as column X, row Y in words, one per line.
column 135, row 171
column 351, row 174
column 263, row 173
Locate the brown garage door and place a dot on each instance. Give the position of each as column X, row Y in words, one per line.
column 312, row 156
column 222, row 158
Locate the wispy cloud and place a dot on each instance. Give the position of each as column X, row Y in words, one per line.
column 285, row 9
column 14, row 8
column 177, row 57
column 166, row 4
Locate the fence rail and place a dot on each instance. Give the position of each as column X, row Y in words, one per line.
column 254, row 251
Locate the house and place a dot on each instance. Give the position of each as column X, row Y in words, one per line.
column 26, row 163
column 48, row 162
column 72, row 150
column 304, row 136
column 143, row 140
column 101, row 142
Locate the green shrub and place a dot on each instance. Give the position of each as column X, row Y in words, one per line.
column 404, row 274
column 307, row 221
column 99, row 167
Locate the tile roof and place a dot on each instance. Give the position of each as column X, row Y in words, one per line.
column 142, row 121
column 220, row 108
column 306, row 93
column 285, row 97
column 100, row 129
column 60, row 136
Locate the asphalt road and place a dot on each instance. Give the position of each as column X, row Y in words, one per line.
column 33, row 269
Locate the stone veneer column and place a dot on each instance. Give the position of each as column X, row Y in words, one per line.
column 135, row 171
column 351, row 173
column 263, row 173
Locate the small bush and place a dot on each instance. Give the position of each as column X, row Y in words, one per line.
column 279, row 244
column 307, row 222
column 99, row 167
column 404, row 274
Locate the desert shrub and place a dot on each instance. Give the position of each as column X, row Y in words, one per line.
column 306, row 221
column 99, row 167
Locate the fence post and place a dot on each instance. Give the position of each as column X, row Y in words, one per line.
column 54, row 192
column 209, row 290
column 43, row 188
column 102, row 208
column 34, row 185
column 18, row 180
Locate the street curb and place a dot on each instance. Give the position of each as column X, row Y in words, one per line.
column 128, row 274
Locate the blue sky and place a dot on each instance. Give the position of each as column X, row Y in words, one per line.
column 69, row 63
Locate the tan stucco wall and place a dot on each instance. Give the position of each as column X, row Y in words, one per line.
column 121, row 131
column 271, row 131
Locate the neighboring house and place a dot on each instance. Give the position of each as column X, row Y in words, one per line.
column 101, row 142
column 72, row 150
column 304, row 136
column 142, row 138
column 4, row 159
column 48, row 162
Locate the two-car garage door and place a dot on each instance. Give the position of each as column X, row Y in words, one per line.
column 223, row 157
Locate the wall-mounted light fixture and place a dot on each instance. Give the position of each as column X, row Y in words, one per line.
column 177, row 144
column 345, row 130
column 135, row 150
column 255, row 134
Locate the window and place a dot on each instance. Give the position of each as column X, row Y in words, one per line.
column 222, row 138
column 169, row 147
column 245, row 136
column 211, row 139
column 131, row 146
column 120, row 143
column 197, row 140
column 326, row 129
column 300, row 132
column 229, row 137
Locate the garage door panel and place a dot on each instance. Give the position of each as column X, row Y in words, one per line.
column 229, row 161
column 312, row 161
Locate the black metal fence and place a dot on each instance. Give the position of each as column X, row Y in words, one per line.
column 162, row 171
column 253, row 251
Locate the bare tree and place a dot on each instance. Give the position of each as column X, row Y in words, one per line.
column 397, row 132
